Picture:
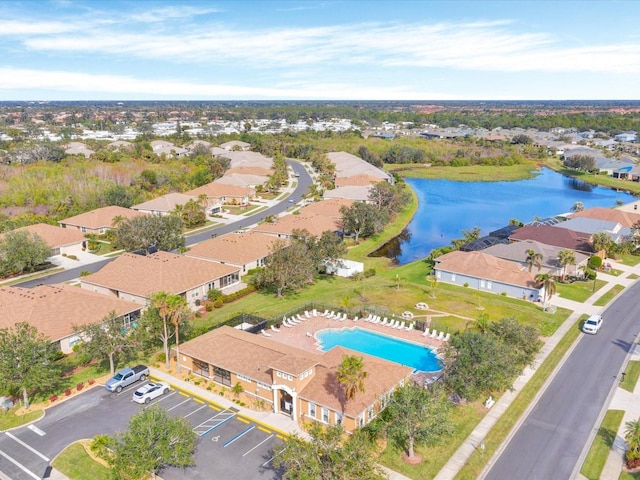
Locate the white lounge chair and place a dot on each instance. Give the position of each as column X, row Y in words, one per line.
column 426, row 332
column 343, row 317
column 315, row 312
column 394, row 324
column 326, row 312
column 385, row 320
column 265, row 333
column 307, row 314
column 331, row 315
column 274, row 329
column 309, row 334
column 355, row 319
column 300, row 317
column 434, row 333
column 410, row 327
column 447, row 337
column 441, row 336
column 401, row 326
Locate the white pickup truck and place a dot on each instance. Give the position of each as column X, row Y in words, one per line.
column 126, row 377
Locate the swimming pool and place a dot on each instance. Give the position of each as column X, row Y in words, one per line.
column 419, row 357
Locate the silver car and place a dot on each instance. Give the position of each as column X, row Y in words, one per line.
column 150, row 391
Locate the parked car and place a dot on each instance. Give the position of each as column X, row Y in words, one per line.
column 148, row 392
column 592, row 324
column 126, row 377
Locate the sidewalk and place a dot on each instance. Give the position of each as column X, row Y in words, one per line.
column 475, row 439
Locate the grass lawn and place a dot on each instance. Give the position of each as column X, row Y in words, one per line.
column 614, row 272
column 631, row 260
column 610, row 295
column 434, row 458
column 629, row 476
column 632, row 372
column 503, row 426
column 9, row 419
column 75, row 463
column 632, row 187
column 633, row 276
column 599, row 451
column 473, row 173
column 578, row 291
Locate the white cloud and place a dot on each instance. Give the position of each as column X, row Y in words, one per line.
column 116, row 86
column 483, row 46
column 10, row 27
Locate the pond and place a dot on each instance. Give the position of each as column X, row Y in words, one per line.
column 447, row 207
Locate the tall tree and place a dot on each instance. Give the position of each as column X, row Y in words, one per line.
column 21, row 252
column 149, row 232
column 363, row 219
column 286, row 267
column 27, row 360
column 191, row 213
column 577, row 207
column 351, row 375
column 107, row 338
column 152, row 441
column 601, row 241
column 566, row 257
column 418, row 415
column 548, row 283
column 162, row 318
column 534, row 259
column 328, row 455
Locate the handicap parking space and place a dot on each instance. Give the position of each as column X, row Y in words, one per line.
column 229, row 444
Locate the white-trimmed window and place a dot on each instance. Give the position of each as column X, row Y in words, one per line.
column 481, row 283
column 361, row 420
column 243, row 378
column 325, row 415
column 370, row 413
column 453, row 277
column 338, row 416
column 489, row 285
column 312, row 410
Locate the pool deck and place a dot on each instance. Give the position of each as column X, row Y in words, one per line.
column 303, row 335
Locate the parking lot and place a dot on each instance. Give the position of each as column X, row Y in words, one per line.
column 229, row 446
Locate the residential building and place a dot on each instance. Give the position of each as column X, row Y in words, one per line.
column 549, row 263
column 165, row 204
column 218, row 193
column 236, row 145
column 242, row 250
column 292, row 381
column 615, row 230
column 137, row 277
column 100, row 220
column 161, row 147
column 55, row 309
column 60, row 240
column 558, row 237
column 624, row 217
column 480, row 271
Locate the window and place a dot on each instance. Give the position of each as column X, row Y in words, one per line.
column 481, row 283
column 243, row 378
column 489, row 285
column 222, row 376
column 325, row 415
column 278, row 374
column 453, row 277
column 75, row 340
column 438, row 274
column 201, row 368
column 211, row 286
column 312, row 410
column 338, row 416
column 361, row 420
column 370, row 412
column 83, row 229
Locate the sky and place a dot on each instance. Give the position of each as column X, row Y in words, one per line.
column 319, row 50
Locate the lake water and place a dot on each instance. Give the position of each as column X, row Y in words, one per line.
column 447, row 207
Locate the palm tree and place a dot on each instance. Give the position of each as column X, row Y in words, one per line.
column 601, row 241
column 534, row 259
column 632, row 436
column 548, row 282
column 577, row 207
column 172, row 309
column 566, row 257
column 351, row 375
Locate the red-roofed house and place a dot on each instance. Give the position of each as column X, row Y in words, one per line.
column 100, row 220
column 136, row 277
column 558, row 237
column 60, row 240
column 55, row 309
column 292, row 381
column 480, row 271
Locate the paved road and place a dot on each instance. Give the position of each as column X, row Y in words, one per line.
column 304, row 181
column 549, row 442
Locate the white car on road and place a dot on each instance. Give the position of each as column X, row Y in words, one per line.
column 150, row 391
column 592, row 324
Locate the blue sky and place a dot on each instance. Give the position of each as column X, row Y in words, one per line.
column 307, row 50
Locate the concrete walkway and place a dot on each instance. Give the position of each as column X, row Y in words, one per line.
column 475, row 439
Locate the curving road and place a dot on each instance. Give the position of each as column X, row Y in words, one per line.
column 304, row 181
column 549, row 442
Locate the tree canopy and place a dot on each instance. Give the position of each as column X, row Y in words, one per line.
column 149, row 232
column 152, row 441
column 27, row 360
column 21, row 252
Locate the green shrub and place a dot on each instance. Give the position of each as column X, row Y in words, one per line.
column 208, row 307
column 214, row 294
column 370, row 273
column 161, row 357
column 218, row 303
column 504, row 294
column 466, row 284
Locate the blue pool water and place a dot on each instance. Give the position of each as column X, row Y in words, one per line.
column 412, row 355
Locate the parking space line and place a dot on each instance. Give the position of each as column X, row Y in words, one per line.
column 265, row 440
column 214, row 427
column 28, row 447
column 196, row 410
column 20, row 466
column 176, row 406
column 271, row 459
column 244, row 420
column 265, row 430
column 237, row 437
